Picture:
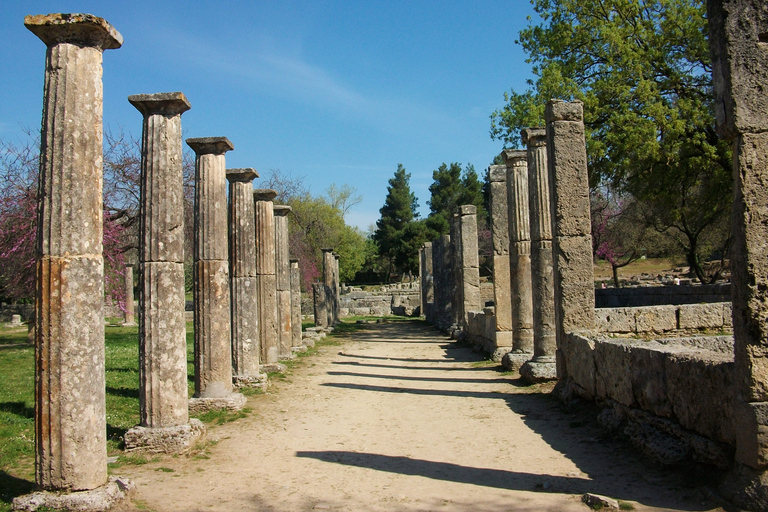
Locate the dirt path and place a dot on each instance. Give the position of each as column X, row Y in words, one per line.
column 400, row 418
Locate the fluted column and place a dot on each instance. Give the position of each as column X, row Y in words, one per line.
column 70, row 417
column 457, row 290
column 426, row 282
column 542, row 366
column 336, row 290
column 213, row 335
column 129, row 319
column 283, row 272
column 242, row 262
column 330, row 287
column 296, row 340
column 266, row 278
column 470, row 263
column 572, row 224
column 519, row 250
column 502, row 296
column 443, row 282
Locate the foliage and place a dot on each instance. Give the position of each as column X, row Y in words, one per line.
column 396, row 233
column 642, row 69
column 451, row 188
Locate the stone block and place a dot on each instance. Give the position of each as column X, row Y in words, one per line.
column 701, row 316
column 656, row 319
column 649, row 381
column 176, row 439
column 232, row 402
column 613, row 376
column 574, row 283
column 110, row 496
column 751, row 426
column 738, row 43
column 615, row 320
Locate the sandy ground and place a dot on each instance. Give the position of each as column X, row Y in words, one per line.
column 398, row 417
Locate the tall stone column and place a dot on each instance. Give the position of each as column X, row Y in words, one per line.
column 242, row 263
column 572, row 224
column 266, row 277
column 470, row 263
column 320, row 304
column 457, row 296
column 70, row 416
column 213, row 332
column 163, row 399
column 130, row 312
column 296, row 340
column 283, row 271
column 542, row 367
column 519, row 251
column 426, row 284
column 739, row 46
column 329, row 261
column 336, row 290
column 442, row 264
column 502, row 294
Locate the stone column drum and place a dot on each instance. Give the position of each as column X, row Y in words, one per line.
column 470, row 263
column 457, row 298
column 739, row 46
column 296, row 340
column 519, row 250
column 572, row 224
column 443, row 283
column 129, row 319
column 336, row 290
column 542, row 367
column 213, row 332
column 242, row 264
column 283, row 272
column 502, row 294
column 330, row 287
column 320, row 307
column 426, row 284
column 164, row 424
column 70, row 417
column 266, row 277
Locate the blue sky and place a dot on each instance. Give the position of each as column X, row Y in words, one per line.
column 331, row 91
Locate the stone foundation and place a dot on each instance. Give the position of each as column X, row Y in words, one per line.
column 176, row 439
column 232, row 402
column 114, row 492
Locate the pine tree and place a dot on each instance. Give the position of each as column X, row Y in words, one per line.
column 398, row 212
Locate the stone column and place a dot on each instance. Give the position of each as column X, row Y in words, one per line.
column 213, row 331
column 130, row 317
column 519, row 250
column 542, row 367
column 336, row 290
column 283, row 271
column 163, row 399
column 502, row 295
column 470, row 263
column 442, row 263
column 739, row 47
column 321, row 308
column 572, row 225
column 296, row 340
column 426, row 283
column 242, row 263
column 70, row 416
column 329, row 262
column 457, row 298
column 266, row 277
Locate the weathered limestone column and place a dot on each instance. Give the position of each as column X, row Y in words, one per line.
column 572, row 225
column 130, row 314
column 320, row 303
column 739, row 46
column 242, row 263
column 519, row 251
column 164, row 424
column 337, row 290
column 329, row 262
column 470, row 263
column 213, row 331
column 70, row 417
column 542, row 367
column 426, row 284
column 502, row 294
column 266, row 277
column 283, row 271
column 296, row 340
column 442, row 264
column 457, row 298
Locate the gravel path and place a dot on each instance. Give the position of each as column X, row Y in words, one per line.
column 398, row 417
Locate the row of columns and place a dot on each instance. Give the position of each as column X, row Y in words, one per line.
column 235, row 319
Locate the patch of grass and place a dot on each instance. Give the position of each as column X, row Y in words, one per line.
column 484, row 363
column 132, row 459
column 224, row 416
column 166, row 470
column 623, row 505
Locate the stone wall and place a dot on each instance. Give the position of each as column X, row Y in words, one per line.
column 661, row 319
column 381, row 303
column 658, row 295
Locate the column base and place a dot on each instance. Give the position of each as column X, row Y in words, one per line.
column 299, row 349
column 232, row 402
column 115, row 491
column 534, row 372
column 309, row 341
column 130, row 324
column 260, row 381
column 512, row 361
column 273, row 368
column 177, row 439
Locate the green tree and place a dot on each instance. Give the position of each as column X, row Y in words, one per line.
column 642, row 69
column 398, row 212
column 452, row 187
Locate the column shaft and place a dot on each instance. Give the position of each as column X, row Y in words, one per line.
column 266, row 278
column 130, row 312
column 283, row 280
column 502, row 280
column 470, row 263
column 296, row 340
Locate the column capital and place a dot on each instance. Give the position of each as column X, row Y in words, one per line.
column 281, row 210
column 513, row 157
column 264, row 194
column 497, row 173
column 293, row 262
column 210, row 145
column 244, row 175
column 467, row 209
column 327, row 249
column 163, row 103
column 534, row 137
column 85, row 30
column 559, row 110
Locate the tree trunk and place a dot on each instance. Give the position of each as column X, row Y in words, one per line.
column 615, row 276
